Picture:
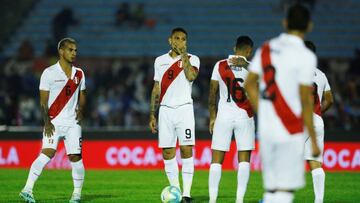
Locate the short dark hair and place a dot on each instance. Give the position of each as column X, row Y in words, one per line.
column 310, row 45
column 243, row 41
column 179, row 29
column 298, row 18
column 64, row 41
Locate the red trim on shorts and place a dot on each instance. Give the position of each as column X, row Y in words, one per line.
column 290, row 121
column 225, row 72
column 65, row 95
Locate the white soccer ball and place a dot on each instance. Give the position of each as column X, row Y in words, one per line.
column 171, row 194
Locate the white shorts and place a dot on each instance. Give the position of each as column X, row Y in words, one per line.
column 71, row 136
column 243, row 129
column 320, row 141
column 176, row 123
column 283, row 163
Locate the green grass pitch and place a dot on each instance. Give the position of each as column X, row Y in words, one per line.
column 140, row 186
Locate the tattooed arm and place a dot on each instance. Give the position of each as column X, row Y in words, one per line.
column 154, row 105
column 214, row 86
column 48, row 126
column 190, row 72
column 81, row 107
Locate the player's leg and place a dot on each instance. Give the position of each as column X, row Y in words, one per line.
column 185, row 131
column 49, row 145
column 221, row 140
column 245, row 141
column 73, row 145
column 315, row 163
column 267, row 153
column 289, row 167
column 167, row 141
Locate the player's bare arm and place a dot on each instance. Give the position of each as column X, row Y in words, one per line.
column 154, row 105
column 239, row 61
column 190, row 71
column 307, row 104
column 81, row 107
column 327, row 101
column 214, row 86
column 252, row 90
column 48, row 126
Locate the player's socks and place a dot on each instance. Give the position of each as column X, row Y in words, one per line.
column 269, row 197
column 214, row 180
column 78, row 174
column 242, row 179
column 318, row 176
column 35, row 171
column 172, row 171
column 283, row 197
column 187, row 175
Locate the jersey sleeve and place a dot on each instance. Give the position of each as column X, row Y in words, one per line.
column 45, row 81
column 255, row 65
column 82, row 84
column 195, row 61
column 327, row 85
column 305, row 73
column 215, row 74
column 156, row 70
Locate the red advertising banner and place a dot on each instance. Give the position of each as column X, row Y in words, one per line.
column 144, row 154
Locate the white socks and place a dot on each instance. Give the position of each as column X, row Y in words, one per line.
column 243, row 179
column 187, row 175
column 214, row 180
column 172, row 171
column 318, row 176
column 78, row 174
column 35, row 171
column 269, row 197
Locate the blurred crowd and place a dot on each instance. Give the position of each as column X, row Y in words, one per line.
column 119, row 90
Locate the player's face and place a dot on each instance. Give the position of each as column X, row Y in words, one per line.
column 178, row 39
column 68, row 52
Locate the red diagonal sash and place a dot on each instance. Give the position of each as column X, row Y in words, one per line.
column 317, row 106
column 291, row 122
column 65, row 95
column 169, row 76
column 228, row 76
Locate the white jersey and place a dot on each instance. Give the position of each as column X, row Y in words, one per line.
column 175, row 87
column 63, row 93
column 320, row 85
column 283, row 64
column 233, row 98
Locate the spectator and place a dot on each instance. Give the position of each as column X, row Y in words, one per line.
column 123, row 14
column 61, row 23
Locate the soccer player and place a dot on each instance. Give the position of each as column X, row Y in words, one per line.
column 175, row 72
column 62, row 101
column 284, row 68
column 323, row 100
column 234, row 115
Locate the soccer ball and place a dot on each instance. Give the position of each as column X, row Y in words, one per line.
column 171, row 194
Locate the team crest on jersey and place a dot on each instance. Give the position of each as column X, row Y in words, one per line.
column 180, row 64
column 76, row 80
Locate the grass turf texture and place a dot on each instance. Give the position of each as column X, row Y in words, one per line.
column 139, row 186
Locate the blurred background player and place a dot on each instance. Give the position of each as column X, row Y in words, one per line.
column 175, row 72
column 285, row 69
column 62, row 101
column 234, row 115
column 323, row 100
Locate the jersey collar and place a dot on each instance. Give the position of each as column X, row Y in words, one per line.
column 292, row 38
column 73, row 70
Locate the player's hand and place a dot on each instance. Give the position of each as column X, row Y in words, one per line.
column 315, row 150
column 153, row 124
column 79, row 116
column 237, row 61
column 49, row 129
column 180, row 49
column 211, row 125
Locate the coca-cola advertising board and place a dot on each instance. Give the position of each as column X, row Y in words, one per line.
column 144, row 154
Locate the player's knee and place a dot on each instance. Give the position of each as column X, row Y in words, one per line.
column 186, row 151
column 168, row 153
column 74, row 157
column 244, row 156
column 49, row 152
column 217, row 157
